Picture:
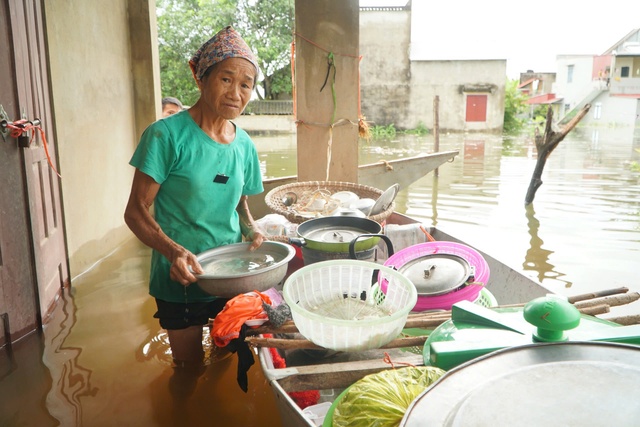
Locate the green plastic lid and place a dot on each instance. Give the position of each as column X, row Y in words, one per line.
column 552, row 315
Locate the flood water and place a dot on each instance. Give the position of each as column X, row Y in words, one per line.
column 103, row 360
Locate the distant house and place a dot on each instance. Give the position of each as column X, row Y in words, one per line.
column 538, row 89
column 400, row 91
column 609, row 82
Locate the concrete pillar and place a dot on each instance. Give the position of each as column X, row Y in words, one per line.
column 327, row 127
column 145, row 62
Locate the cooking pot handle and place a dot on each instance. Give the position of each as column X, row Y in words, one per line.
column 297, row 241
column 352, row 244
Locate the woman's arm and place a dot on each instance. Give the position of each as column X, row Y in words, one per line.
column 248, row 226
column 137, row 216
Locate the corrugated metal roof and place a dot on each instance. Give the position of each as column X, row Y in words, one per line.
column 547, row 98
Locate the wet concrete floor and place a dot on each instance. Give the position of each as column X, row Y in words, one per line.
column 103, row 360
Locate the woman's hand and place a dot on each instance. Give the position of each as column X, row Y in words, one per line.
column 257, row 238
column 180, row 271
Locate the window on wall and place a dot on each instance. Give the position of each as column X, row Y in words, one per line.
column 569, row 73
column 476, row 108
column 624, row 71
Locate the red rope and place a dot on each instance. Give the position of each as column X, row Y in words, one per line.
column 20, row 127
column 322, row 48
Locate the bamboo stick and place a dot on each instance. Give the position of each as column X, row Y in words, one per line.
column 592, row 295
column 595, row 309
column 613, row 301
column 632, row 319
column 288, row 327
column 290, row 344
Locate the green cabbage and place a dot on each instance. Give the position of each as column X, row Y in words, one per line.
column 381, row 399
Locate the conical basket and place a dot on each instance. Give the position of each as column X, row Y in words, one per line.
column 338, row 304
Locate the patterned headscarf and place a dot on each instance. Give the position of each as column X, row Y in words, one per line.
column 226, row 44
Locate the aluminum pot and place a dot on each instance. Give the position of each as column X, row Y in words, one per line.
column 232, row 270
column 335, row 233
column 561, row 383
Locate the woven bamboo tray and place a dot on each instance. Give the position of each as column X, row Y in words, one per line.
column 273, row 199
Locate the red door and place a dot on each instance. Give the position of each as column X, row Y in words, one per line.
column 476, row 108
column 33, row 262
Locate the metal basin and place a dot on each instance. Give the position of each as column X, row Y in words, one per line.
column 232, row 270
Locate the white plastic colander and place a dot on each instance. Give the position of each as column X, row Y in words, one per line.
column 338, row 304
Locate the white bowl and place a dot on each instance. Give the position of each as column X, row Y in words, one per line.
column 346, row 198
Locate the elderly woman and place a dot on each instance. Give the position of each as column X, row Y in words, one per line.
column 197, row 168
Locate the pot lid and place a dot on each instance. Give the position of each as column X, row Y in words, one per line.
column 437, row 274
column 385, row 200
column 570, row 383
column 334, row 234
column 235, row 260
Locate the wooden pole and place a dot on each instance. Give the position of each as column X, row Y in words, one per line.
column 326, row 80
column 436, row 128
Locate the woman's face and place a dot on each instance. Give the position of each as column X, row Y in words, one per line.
column 226, row 89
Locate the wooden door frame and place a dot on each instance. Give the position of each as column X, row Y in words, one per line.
column 30, row 299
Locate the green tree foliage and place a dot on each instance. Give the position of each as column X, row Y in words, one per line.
column 269, row 30
column 514, row 107
column 184, row 25
column 540, row 114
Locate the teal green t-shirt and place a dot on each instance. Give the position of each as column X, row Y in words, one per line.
column 201, row 182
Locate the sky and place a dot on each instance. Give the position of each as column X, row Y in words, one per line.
column 528, row 35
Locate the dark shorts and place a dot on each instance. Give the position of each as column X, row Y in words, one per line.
column 176, row 315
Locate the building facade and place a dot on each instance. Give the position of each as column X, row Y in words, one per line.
column 610, row 82
column 398, row 91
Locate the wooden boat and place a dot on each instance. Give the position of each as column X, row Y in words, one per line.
column 331, row 372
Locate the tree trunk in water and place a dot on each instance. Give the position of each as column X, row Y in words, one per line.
column 545, row 144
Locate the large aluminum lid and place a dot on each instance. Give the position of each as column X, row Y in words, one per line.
column 568, row 383
column 437, row 274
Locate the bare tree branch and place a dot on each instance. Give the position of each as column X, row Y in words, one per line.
column 545, row 144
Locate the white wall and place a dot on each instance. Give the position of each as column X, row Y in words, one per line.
column 445, row 79
column 581, row 82
column 398, row 91
column 99, row 115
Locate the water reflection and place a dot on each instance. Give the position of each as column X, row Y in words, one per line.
column 70, row 380
column 537, row 258
column 103, row 360
column 157, row 348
